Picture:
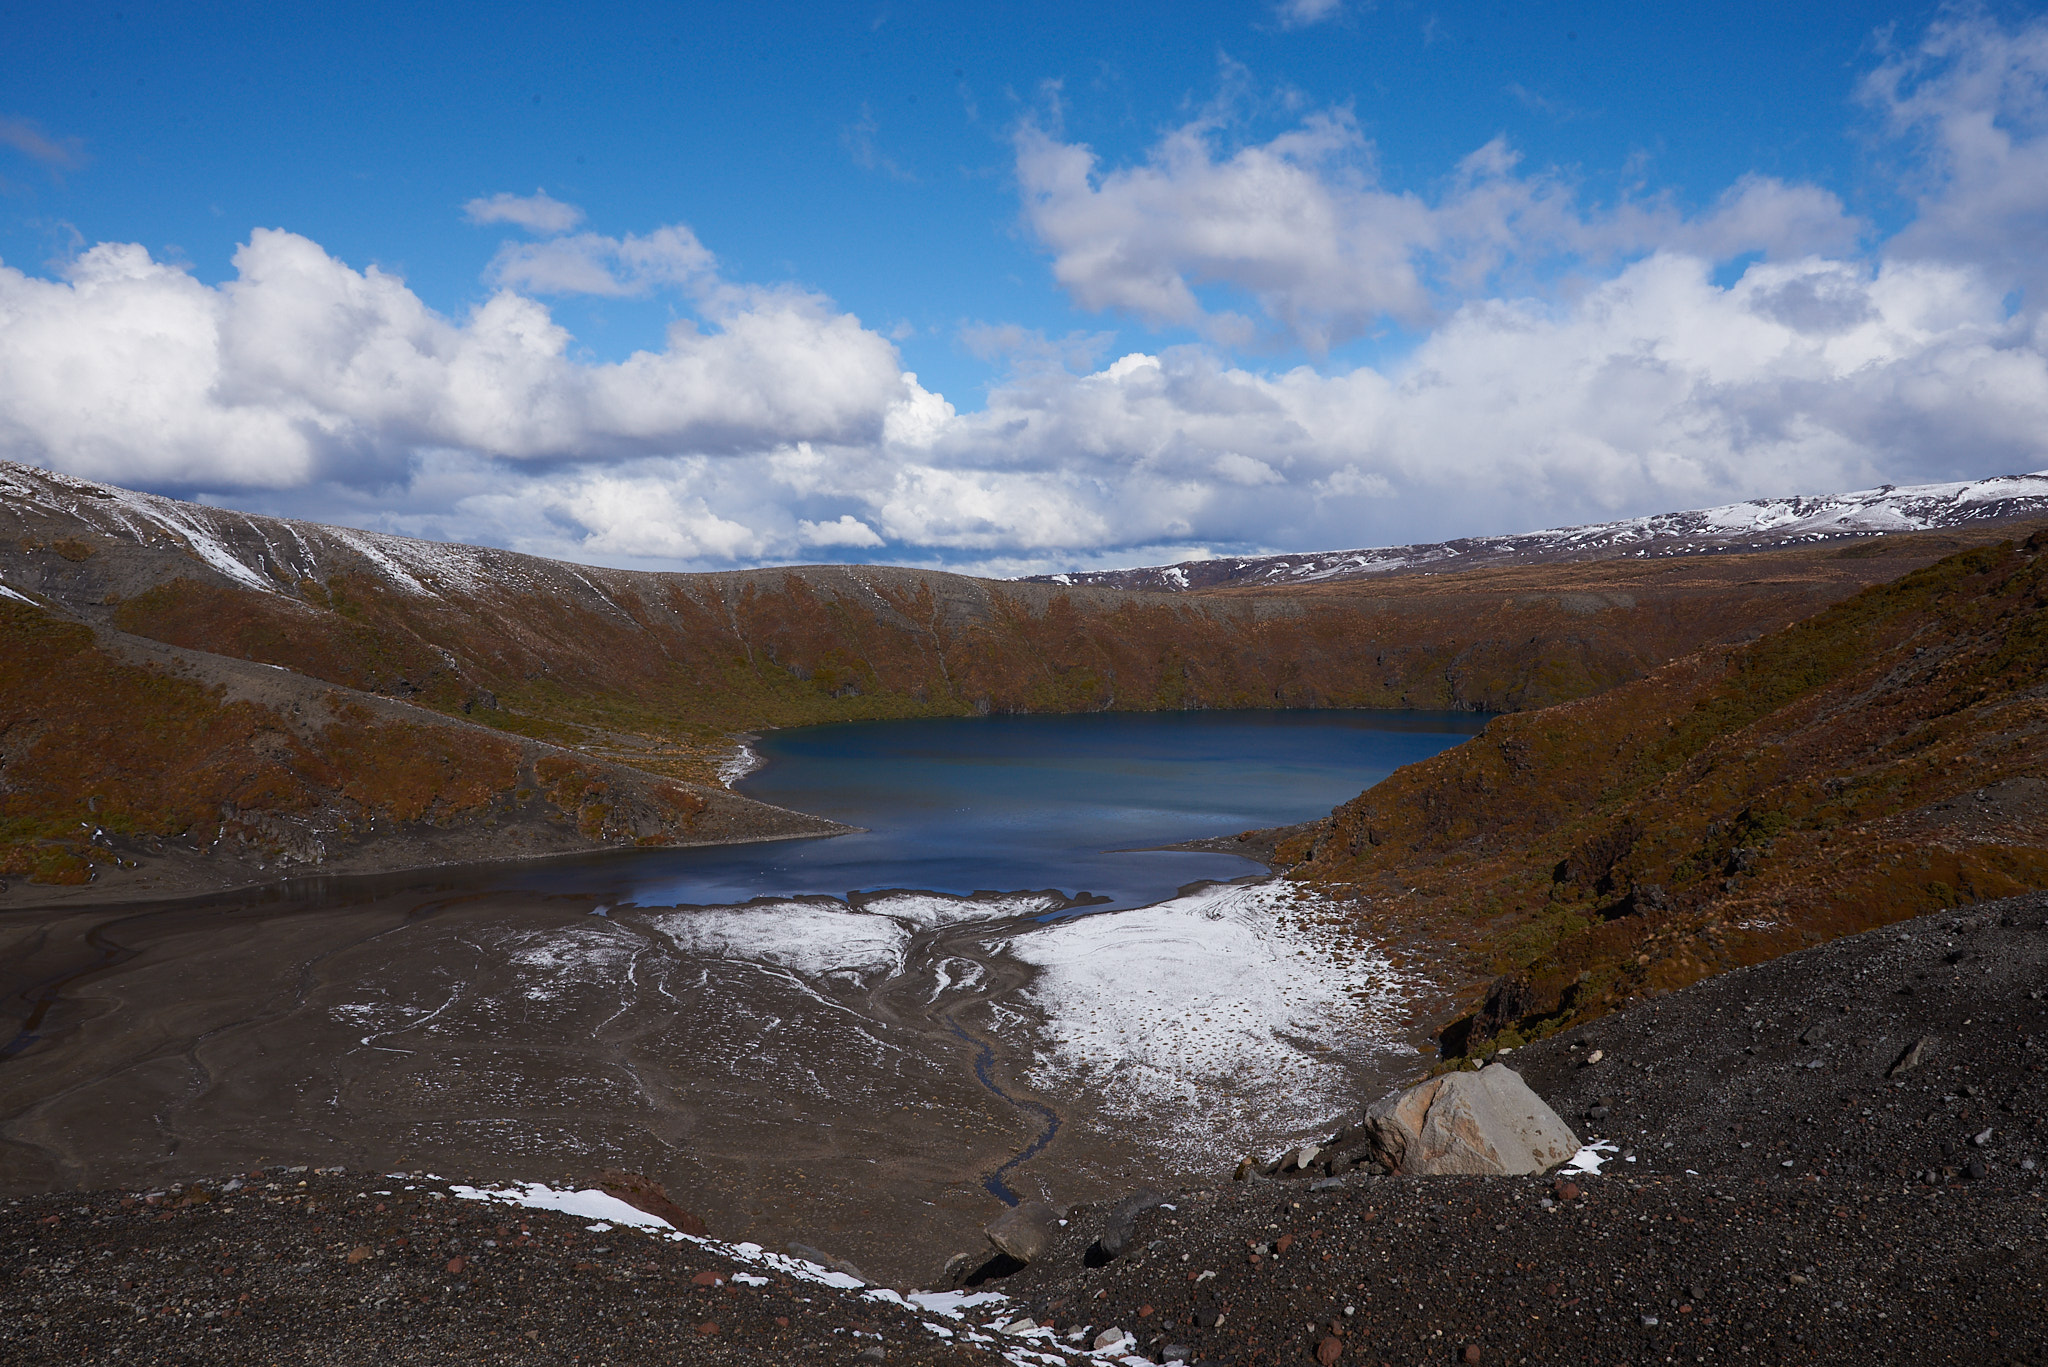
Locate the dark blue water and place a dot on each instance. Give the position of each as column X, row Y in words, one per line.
column 1005, row 804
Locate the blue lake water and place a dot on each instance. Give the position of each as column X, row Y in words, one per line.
column 1005, row 804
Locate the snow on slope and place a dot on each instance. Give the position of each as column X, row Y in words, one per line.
column 1755, row 525
column 263, row 553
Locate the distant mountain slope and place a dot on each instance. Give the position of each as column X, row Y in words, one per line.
column 1765, row 523
column 651, row 674
column 1882, row 759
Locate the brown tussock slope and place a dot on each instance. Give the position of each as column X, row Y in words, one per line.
column 141, row 769
column 1884, row 758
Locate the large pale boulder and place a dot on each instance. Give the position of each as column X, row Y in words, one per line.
column 1483, row 1122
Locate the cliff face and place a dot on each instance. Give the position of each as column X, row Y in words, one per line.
column 651, row 673
column 1881, row 759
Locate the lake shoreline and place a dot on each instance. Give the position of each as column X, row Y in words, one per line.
column 150, row 875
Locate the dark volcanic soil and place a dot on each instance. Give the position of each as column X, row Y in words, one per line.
column 1777, row 1211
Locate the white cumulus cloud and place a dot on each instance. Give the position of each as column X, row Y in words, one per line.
column 303, row 368
column 1300, row 228
column 773, row 425
column 537, row 213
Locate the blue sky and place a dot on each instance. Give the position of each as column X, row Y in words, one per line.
column 1170, row 279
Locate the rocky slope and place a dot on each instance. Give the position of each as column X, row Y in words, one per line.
column 1882, row 758
column 631, row 673
column 1759, row 524
column 1794, row 1197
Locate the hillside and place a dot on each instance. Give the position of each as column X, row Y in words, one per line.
column 129, row 768
column 1881, row 759
column 652, row 674
column 1759, row 524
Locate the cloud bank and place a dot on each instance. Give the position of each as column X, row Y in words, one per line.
column 1576, row 361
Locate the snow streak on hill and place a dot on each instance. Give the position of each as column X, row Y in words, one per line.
column 1757, row 525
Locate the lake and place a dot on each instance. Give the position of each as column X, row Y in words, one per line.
column 959, row 805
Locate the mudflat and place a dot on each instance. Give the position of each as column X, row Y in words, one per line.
column 1776, row 1212
column 870, row 1079
column 508, row 1035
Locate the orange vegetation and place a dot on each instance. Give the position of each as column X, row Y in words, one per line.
column 1881, row 759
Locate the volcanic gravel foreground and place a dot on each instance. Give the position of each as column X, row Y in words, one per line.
column 1833, row 1157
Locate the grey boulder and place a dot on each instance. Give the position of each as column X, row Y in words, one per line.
column 1120, row 1226
column 1024, row 1231
column 1487, row 1122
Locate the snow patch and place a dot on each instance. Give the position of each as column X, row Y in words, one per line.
column 1215, row 1014
column 814, row 939
column 1589, row 1158
column 742, row 761
column 927, row 909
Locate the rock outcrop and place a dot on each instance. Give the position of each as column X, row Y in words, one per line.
column 1487, row 1122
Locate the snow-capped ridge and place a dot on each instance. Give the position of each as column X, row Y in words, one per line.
column 1757, row 524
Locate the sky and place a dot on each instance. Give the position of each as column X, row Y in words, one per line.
column 1014, row 289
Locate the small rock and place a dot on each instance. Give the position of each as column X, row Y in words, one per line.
column 1024, row 1231
column 1975, row 1170
column 1589, row 1060
column 1304, row 1156
column 1120, row 1228
column 1921, row 1050
column 1329, row 1350
column 1327, row 1184
column 872, row 1353
column 1111, row 1337
column 707, row 1277
column 1598, row 1112
column 1471, row 1353
column 455, row 1266
column 1566, row 1191
column 1981, row 1138
column 1175, row 1352
column 358, row 1254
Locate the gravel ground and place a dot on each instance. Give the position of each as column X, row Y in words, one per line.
column 1788, row 1202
